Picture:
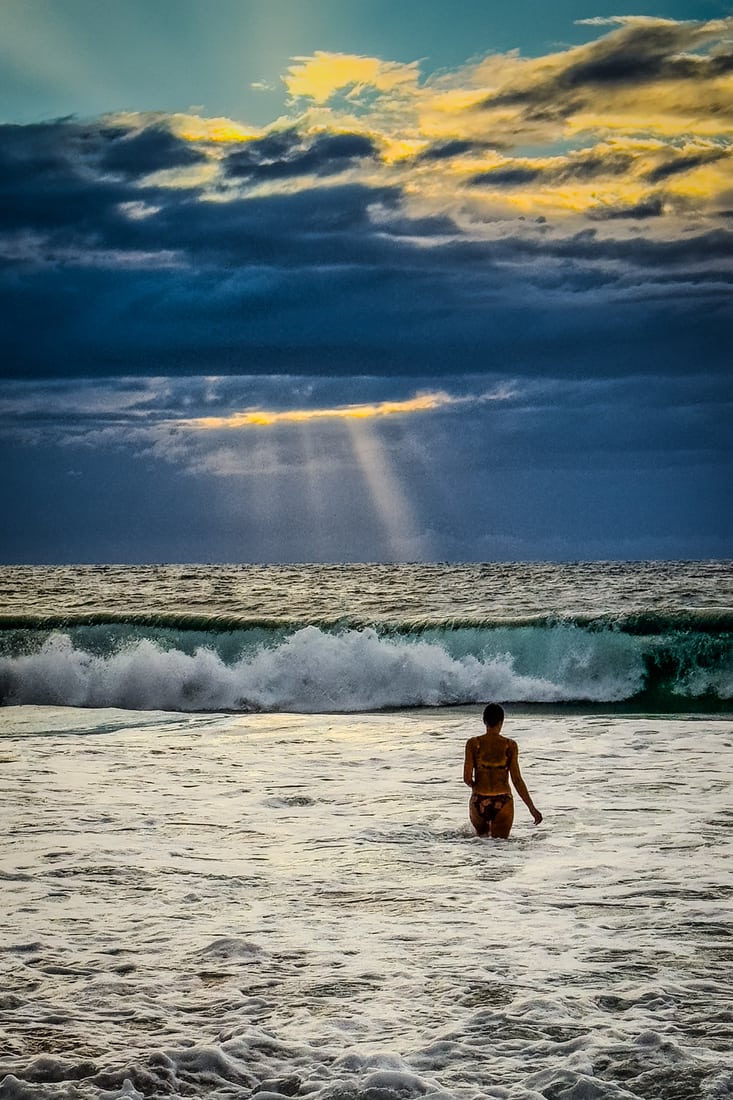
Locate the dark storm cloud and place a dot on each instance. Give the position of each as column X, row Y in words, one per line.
column 416, row 228
column 652, row 207
column 287, row 154
column 147, row 151
column 506, row 177
column 640, row 53
column 56, row 183
column 41, row 179
column 184, row 322
column 54, row 180
column 578, row 167
column 662, row 258
column 67, row 149
column 626, row 421
column 590, row 165
column 103, row 276
column 444, row 150
column 309, row 228
column 680, row 163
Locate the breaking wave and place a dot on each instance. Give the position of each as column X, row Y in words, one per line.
column 665, row 662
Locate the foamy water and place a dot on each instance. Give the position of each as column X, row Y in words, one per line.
column 208, row 905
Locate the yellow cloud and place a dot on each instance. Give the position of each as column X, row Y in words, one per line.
column 264, row 418
column 190, row 127
column 700, row 185
column 521, row 118
column 196, row 128
column 319, row 76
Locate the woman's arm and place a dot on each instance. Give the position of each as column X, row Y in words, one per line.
column 520, row 785
column 468, row 765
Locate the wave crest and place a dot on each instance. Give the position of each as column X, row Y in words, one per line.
column 317, row 670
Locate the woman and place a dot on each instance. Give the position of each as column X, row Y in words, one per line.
column 490, row 761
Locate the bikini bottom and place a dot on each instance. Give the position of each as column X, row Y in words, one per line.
column 489, row 806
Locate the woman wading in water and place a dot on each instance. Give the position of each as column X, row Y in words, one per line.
column 490, row 762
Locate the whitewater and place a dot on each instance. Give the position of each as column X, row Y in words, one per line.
column 236, row 858
column 218, row 905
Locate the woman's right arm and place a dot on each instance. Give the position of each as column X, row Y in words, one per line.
column 520, row 785
column 468, row 765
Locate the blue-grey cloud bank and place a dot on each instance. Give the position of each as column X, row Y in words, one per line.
column 464, row 314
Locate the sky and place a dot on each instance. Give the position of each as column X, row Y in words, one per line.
column 316, row 280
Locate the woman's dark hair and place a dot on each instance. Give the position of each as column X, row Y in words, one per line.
column 493, row 714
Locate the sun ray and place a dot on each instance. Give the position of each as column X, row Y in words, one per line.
column 391, row 504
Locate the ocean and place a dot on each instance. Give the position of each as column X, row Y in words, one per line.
column 362, row 638
column 236, row 858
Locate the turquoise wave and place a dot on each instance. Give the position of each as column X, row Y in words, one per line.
column 660, row 661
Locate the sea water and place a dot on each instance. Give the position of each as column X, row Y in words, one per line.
column 287, row 899
column 351, row 638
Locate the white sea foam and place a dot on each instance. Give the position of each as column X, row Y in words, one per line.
column 317, row 671
column 288, row 905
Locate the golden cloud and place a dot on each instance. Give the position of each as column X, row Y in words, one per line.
column 220, row 130
column 562, row 136
column 320, row 76
column 265, row 418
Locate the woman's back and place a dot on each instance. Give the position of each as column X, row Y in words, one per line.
column 492, row 756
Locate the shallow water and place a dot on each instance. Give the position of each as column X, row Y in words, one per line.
column 204, row 905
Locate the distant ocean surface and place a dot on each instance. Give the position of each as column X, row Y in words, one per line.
column 650, row 636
